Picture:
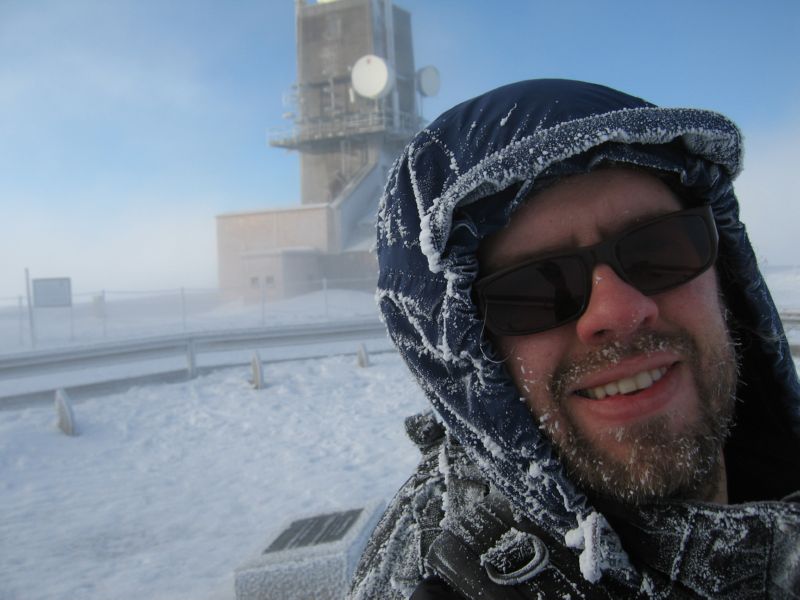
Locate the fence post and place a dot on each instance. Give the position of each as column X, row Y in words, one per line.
column 325, row 295
column 30, row 308
column 21, row 313
column 183, row 309
column 104, row 313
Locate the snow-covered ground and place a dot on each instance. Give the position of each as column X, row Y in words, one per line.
column 169, row 487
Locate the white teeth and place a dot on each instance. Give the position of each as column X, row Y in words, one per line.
column 644, row 380
column 626, row 385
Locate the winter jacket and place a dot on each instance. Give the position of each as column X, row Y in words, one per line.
column 490, row 509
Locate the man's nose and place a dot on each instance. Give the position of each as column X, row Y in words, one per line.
column 616, row 309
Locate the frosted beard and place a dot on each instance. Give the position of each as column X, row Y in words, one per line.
column 660, row 463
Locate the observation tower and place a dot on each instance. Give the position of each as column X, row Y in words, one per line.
column 354, row 107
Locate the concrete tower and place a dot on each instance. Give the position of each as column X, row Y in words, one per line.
column 353, row 109
column 339, row 132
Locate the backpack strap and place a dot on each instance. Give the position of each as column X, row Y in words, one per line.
column 487, row 554
column 682, row 551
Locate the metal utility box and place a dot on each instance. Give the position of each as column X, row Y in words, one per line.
column 311, row 557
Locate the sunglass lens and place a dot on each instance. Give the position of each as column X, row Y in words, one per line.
column 536, row 297
column 665, row 254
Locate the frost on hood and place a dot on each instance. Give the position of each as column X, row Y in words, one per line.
column 505, row 119
column 704, row 133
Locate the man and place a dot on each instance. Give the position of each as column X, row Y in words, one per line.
column 616, row 413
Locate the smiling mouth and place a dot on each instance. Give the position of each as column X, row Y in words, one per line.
column 625, row 386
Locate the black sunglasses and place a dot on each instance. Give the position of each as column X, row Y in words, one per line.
column 548, row 291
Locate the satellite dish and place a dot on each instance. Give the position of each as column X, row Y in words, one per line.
column 428, row 81
column 372, row 77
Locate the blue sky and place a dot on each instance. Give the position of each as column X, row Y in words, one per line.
column 127, row 125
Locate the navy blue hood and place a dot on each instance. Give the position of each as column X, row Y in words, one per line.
column 460, row 179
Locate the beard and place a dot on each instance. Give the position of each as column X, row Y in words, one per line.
column 658, row 462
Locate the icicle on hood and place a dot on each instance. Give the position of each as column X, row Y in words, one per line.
column 460, row 179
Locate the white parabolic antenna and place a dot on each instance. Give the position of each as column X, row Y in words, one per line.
column 372, row 77
column 428, row 81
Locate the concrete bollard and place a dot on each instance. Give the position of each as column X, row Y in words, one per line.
column 363, row 357
column 66, row 418
column 258, row 372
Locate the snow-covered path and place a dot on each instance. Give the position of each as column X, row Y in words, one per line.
column 169, row 487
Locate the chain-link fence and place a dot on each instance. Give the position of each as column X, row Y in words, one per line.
column 113, row 314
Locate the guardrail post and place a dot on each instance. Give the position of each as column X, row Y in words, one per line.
column 191, row 360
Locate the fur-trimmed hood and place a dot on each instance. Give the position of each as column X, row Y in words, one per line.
column 460, row 179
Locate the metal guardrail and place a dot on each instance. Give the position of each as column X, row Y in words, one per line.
column 790, row 318
column 189, row 344
column 31, row 363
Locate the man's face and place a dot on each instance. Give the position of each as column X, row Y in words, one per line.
column 670, row 352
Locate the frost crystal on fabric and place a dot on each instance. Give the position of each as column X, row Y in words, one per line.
column 600, row 550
